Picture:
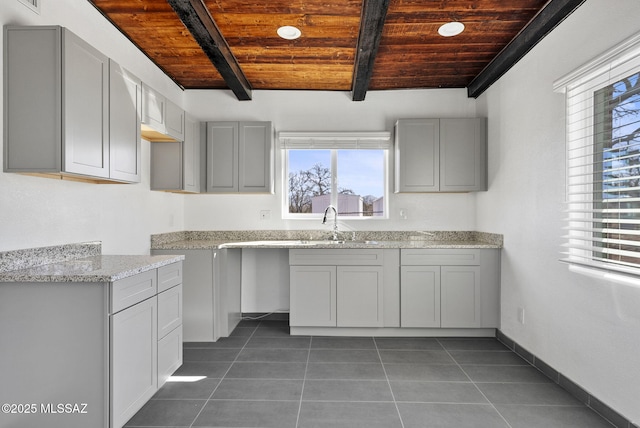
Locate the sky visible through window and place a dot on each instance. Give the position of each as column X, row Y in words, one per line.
column 359, row 170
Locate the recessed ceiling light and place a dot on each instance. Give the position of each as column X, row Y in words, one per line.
column 288, row 32
column 451, row 29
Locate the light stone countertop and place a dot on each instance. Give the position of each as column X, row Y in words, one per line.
column 93, row 269
column 314, row 239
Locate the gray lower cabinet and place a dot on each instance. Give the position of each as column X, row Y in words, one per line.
column 58, row 108
column 134, row 359
column 103, row 347
column 450, row 288
column 239, row 157
column 336, row 288
column 420, row 296
column 175, row 166
column 210, row 292
column 146, row 338
column 441, row 155
column 313, row 296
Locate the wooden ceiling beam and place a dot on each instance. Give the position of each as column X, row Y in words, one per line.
column 196, row 17
column 554, row 12
column 374, row 13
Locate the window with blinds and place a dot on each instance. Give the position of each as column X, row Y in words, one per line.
column 603, row 162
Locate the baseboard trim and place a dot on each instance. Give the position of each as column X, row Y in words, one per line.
column 582, row 395
column 266, row 316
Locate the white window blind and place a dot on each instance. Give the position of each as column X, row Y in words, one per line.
column 335, row 140
column 603, row 161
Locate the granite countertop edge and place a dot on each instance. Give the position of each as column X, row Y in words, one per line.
column 94, row 269
column 295, row 244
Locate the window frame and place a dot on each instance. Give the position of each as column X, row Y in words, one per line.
column 584, row 162
column 334, row 142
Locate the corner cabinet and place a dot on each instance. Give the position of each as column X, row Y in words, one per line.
column 175, row 166
column 450, row 288
column 119, row 340
column 239, row 157
column 441, row 155
column 59, row 112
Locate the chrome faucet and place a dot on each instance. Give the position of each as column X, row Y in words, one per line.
column 335, row 220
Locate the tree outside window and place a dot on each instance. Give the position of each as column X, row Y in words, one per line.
column 357, row 177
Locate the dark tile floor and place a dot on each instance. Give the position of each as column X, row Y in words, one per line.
column 262, row 377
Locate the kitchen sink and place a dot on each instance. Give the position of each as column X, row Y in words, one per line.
column 299, row 242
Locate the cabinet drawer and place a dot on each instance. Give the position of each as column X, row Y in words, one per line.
column 169, row 276
column 336, row 257
column 169, row 310
column 169, row 355
column 129, row 291
column 439, row 257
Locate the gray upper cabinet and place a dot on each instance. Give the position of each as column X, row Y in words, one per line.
column 125, row 108
column 239, row 157
column 417, row 149
column 175, row 121
column 162, row 119
column 57, row 108
column 175, row 166
column 441, row 155
column 463, row 155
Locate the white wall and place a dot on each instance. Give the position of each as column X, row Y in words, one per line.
column 587, row 329
column 330, row 111
column 38, row 212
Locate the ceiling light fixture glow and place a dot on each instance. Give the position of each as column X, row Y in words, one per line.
column 451, row 29
column 288, row 32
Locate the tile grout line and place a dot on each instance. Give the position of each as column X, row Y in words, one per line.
column 384, row 370
column 304, row 380
column 474, row 384
column 224, row 376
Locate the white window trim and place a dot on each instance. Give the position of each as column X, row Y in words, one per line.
column 623, row 58
column 333, row 141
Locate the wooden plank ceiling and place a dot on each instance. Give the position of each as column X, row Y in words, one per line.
column 396, row 47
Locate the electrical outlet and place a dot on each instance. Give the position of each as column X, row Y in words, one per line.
column 403, row 213
column 265, row 215
column 521, row 315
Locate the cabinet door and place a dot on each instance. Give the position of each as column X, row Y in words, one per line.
column 417, row 154
column 32, row 95
column 460, row 296
column 255, row 157
column 169, row 310
column 134, row 359
column 166, row 166
column 153, row 109
column 313, row 296
column 420, row 296
column 222, row 156
column 174, row 121
column 169, row 355
column 86, row 108
column 191, row 156
column 463, row 155
column 360, row 296
column 125, row 109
